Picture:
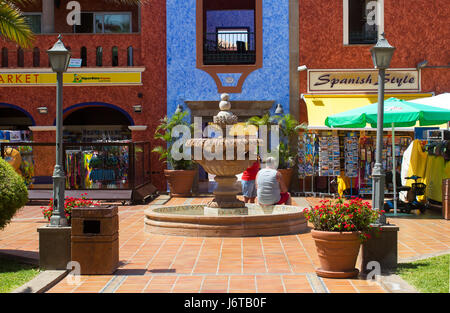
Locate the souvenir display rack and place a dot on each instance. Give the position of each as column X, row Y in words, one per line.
column 353, row 156
column 367, row 157
column 107, row 171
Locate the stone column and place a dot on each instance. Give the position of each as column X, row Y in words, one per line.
column 48, row 16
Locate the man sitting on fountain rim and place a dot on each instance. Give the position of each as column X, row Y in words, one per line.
column 270, row 187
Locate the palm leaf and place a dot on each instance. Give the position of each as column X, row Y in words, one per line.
column 13, row 25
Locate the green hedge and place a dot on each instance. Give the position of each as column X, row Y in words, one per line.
column 13, row 193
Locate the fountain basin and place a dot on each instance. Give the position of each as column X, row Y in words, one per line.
column 203, row 221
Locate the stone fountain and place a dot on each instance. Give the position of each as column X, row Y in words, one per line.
column 230, row 164
column 225, row 215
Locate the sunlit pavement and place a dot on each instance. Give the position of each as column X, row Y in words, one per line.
column 157, row 263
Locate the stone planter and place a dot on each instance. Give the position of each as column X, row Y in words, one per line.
column 337, row 253
column 287, row 176
column 180, row 182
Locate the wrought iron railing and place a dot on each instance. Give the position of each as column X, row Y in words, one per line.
column 229, row 48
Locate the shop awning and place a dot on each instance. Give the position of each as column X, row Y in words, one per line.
column 321, row 106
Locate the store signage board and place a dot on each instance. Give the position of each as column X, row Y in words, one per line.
column 71, row 79
column 75, row 62
column 362, row 81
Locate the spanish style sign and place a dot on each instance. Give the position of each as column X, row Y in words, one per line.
column 362, row 81
column 12, row 79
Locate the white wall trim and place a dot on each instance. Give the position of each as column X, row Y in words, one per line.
column 138, row 128
column 128, row 69
column 42, row 128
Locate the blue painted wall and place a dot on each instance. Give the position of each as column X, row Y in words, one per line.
column 187, row 83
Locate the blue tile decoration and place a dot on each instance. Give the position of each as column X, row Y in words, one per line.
column 187, row 83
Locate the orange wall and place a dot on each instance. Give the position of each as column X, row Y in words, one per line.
column 418, row 29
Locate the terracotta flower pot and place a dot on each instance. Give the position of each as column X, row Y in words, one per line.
column 180, row 182
column 287, row 176
column 337, row 253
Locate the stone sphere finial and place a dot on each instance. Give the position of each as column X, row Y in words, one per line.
column 225, row 105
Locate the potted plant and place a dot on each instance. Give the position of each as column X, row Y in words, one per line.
column 339, row 229
column 289, row 128
column 180, row 176
column 69, row 204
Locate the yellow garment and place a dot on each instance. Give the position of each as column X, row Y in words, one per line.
column 13, row 157
column 345, row 183
column 433, row 177
column 447, row 170
column 417, row 163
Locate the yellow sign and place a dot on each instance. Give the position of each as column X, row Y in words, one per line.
column 362, row 80
column 74, row 79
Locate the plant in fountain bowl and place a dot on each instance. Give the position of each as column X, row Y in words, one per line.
column 289, row 128
column 180, row 176
column 339, row 229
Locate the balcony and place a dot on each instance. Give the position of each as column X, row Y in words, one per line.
column 229, row 48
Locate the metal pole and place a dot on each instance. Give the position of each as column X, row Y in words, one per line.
column 58, row 218
column 378, row 172
column 394, row 169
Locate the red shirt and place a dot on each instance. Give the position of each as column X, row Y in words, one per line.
column 250, row 173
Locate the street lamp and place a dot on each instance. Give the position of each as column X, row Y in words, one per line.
column 59, row 58
column 382, row 54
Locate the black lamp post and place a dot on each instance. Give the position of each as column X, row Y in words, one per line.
column 59, row 59
column 382, row 54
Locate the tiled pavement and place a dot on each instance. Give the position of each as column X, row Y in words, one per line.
column 156, row 263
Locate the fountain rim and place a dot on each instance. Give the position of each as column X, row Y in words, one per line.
column 152, row 212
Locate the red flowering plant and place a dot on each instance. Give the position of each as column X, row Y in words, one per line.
column 69, row 204
column 344, row 216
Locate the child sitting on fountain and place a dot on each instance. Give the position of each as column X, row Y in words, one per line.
column 248, row 182
column 271, row 189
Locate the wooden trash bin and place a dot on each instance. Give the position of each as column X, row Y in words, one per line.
column 446, row 198
column 95, row 239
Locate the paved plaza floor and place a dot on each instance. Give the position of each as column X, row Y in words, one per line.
column 172, row 264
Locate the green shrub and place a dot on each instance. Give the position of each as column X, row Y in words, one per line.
column 13, row 193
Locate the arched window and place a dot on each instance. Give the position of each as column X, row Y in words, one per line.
column 36, row 57
column 115, row 56
column 20, row 58
column 83, row 55
column 4, row 57
column 130, row 61
column 99, row 57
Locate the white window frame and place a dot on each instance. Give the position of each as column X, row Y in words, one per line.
column 379, row 16
column 35, row 13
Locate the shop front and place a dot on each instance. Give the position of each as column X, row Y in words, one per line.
column 339, row 161
column 106, row 155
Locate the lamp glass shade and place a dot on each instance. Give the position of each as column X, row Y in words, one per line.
column 279, row 109
column 382, row 53
column 59, row 57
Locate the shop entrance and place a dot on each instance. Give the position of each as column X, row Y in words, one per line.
column 14, row 123
column 96, row 124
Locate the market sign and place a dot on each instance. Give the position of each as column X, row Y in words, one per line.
column 362, row 81
column 71, row 79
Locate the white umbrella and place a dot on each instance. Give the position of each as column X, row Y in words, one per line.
column 440, row 101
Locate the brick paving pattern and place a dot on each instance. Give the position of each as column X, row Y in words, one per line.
column 172, row 264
